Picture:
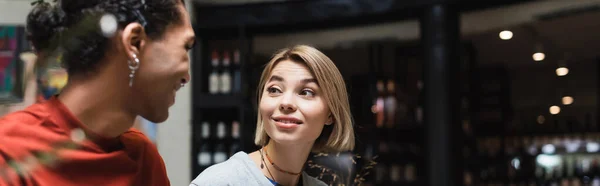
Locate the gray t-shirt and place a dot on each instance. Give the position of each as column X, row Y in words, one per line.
column 241, row 170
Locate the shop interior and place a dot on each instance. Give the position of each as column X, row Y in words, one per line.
column 525, row 87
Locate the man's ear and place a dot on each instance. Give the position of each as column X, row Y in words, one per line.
column 133, row 39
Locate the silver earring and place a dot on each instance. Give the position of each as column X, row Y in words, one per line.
column 182, row 85
column 133, row 66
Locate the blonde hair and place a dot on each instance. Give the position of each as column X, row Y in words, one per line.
column 329, row 78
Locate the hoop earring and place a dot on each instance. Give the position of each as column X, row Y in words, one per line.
column 133, row 66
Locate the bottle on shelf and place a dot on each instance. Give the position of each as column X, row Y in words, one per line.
column 237, row 75
column 225, row 78
column 467, row 178
column 205, row 130
column 419, row 107
column 221, row 130
column 586, row 179
column 564, row 174
column 378, row 108
column 380, row 172
column 213, row 78
column 235, row 135
column 595, row 172
column 220, row 154
column 512, row 161
column 204, row 156
column 395, row 172
column 578, row 171
column 410, row 173
column 390, row 105
column 235, row 130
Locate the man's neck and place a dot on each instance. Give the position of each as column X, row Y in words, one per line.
column 99, row 108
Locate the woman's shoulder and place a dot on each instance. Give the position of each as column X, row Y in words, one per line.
column 311, row 181
column 234, row 171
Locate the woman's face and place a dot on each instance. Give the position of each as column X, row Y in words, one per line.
column 164, row 66
column 292, row 106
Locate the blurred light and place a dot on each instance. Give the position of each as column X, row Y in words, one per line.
column 541, row 119
column 532, row 150
column 378, row 106
column 572, row 146
column 468, row 178
column 554, row 110
column 539, row 56
column 108, row 25
column 562, row 71
column 567, row 100
column 548, row 149
column 586, row 163
column 548, row 161
column 592, row 147
column 516, row 163
column 596, row 181
column 28, row 56
column 506, row 35
column 420, row 85
column 77, row 135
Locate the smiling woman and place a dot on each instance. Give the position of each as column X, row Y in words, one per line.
column 303, row 107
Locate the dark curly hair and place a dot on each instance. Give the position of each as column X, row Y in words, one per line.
column 71, row 26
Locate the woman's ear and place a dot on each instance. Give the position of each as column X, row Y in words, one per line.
column 330, row 120
column 133, row 38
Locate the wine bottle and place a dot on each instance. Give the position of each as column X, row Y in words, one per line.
column 235, row 135
column 205, row 130
column 380, row 172
column 539, row 175
column 410, row 172
column 595, row 173
column 379, row 105
column 213, row 79
column 225, row 78
column 510, row 155
column 419, row 107
column 555, row 180
column 221, row 130
column 579, row 175
column 237, row 75
column 586, row 180
column 390, row 105
column 204, row 156
column 235, row 130
column 467, row 178
column 220, row 154
column 395, row 172
column 566, row 172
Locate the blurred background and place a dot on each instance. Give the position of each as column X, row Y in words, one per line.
column 443, row 92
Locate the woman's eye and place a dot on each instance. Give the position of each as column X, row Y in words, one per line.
column 273, row 90
column 308, row 93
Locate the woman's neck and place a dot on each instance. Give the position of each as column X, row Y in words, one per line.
column 290, row 158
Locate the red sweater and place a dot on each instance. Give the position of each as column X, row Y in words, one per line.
column 130, row 159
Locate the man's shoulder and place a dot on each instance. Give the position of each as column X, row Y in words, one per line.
column 135, row 136
column 33, row 116
column 30, row 115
